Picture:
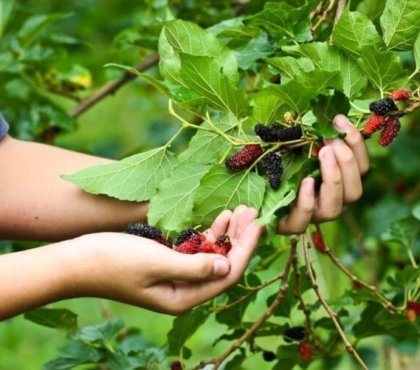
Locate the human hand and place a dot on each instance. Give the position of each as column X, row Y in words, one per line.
column 342, row 162
column 144, row 273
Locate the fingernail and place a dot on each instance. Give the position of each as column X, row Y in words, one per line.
column 341, row 123
column 329, row 156
column 220, row 267
column 308, row 185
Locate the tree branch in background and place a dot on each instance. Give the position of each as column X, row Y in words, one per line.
column 340, row 9
column 325, row 14
column 333, row 315
column 112, row 86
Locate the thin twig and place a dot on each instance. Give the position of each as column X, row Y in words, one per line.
column 356, row 281
column 324, row 15
column 216, row 362
column 340, row 9
column 328, row 309
column 317, row 11
column 112, row 87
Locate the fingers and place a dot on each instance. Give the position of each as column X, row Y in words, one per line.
column 301, row 214
column 355, row 141
column 219, row 226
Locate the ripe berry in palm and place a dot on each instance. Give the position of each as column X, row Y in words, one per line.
column 149, row 232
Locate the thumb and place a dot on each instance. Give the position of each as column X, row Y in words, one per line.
column 197, row 267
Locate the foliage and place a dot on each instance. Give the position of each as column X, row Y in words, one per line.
column 224, row 69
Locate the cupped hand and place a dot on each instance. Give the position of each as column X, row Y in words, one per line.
column 342, row 163
column 144, row 273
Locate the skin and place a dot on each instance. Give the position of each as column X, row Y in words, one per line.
column 92, row 259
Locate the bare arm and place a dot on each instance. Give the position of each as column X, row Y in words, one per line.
column 37, row 204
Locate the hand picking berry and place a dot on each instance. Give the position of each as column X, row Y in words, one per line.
column 149, row 232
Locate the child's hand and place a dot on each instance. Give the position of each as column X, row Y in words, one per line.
column 142, row 272
column 343, row 162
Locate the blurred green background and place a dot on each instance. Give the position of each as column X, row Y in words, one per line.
column 136, row 119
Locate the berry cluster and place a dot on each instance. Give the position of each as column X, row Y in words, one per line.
column 188, row 241
column 191, row 242
column 278, row 133
column 382, row 118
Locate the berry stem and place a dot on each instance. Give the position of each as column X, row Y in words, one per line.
column 328, row 309
column 324, row 15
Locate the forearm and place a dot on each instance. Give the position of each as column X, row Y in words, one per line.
column 38, row 276
column 36, row 203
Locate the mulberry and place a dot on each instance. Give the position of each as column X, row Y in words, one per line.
column 415, row 306
column 149, row 232
column 383, row 106
column 390, row 131
column 297, row 333
column 176, row 365
column 318, row 241
column 269, row 356
column 411, row 315
column 374, row 124
column 223, row 241
column 305, row 351
column 401, row 94
column 185, row 235
column 192, row 245
column 278, row 132
column 245, row 157
column 273, row 166
column 208, row 247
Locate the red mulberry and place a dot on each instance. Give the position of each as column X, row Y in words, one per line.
column 223, row 241
column 276, row 132
column 208, row 247
column 390, row 131
column 149, row 232
column 192, row 245
column 305, row 351
column 375, row 123
column 401, row 95
column 318, row 241
column 415, row 306
column 176, row 365
column 244, row 158
column 185, row 235
column 383, row 106
column 273, row 167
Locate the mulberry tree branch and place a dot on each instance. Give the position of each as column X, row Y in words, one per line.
column 216, row 362
column 112, row 87
column 333, row 315
column 325, row 14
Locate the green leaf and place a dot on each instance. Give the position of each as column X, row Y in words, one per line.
column 354, row 31
column 31, row 28
column 375, row 320
column 408, row 275
column 291, row 67
column 203, row 75
column 330, row 58
column 295, row 96
column 221, row 189
column 383, row 69
column 404, row 231
column 188, row 38
column 185, row 326
column 206, row 146
column 417, row 53
column 171, row 207
column 283, row 21
column 266, row 106
column 416, row 211
column 321, row 80
column 134, row 178
column 58, row 318
column 400, row 23
column 275, row 200
column 103, row 332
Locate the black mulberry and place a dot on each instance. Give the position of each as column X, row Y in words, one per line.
column 276, row 132
column 184, row 235
column 149, row 232
column 269, row 356
column 297, row 333
column 273, row 166
column 245, row 157
column 383, row 106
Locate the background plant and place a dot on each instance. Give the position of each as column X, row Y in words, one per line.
column 220, row 66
